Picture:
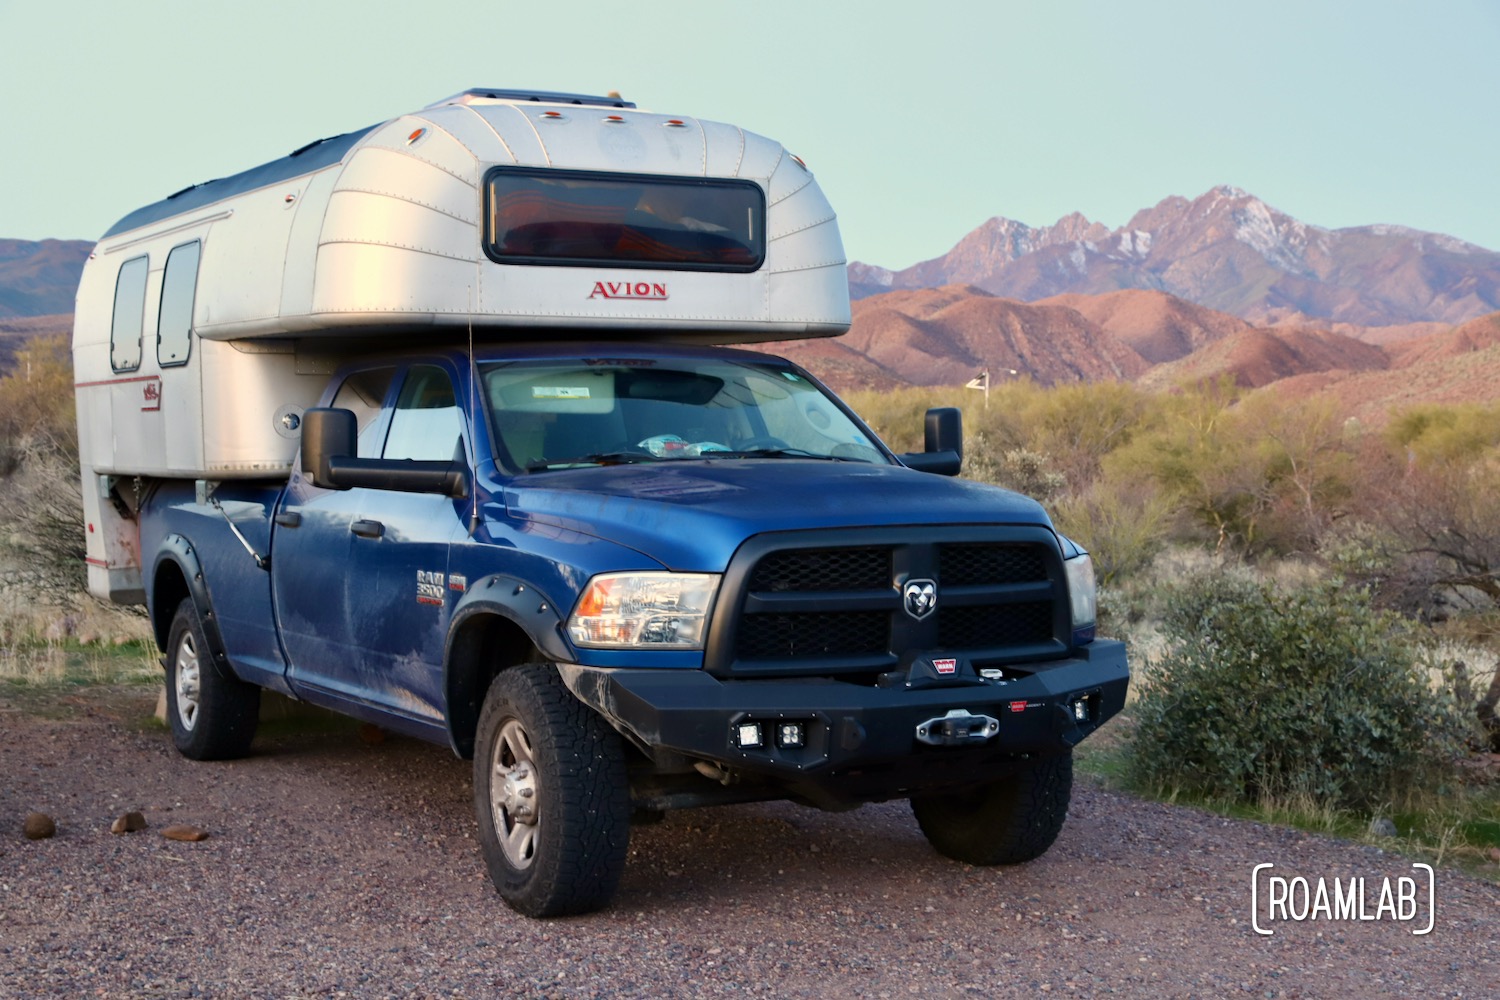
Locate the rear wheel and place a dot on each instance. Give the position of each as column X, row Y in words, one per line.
column 212, row 713
column 551, row 794
column 1006, row 822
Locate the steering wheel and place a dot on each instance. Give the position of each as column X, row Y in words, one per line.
column 764, row 443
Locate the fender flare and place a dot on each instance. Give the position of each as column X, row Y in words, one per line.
column 519, row 601
column 523, row 606
column 178, row 550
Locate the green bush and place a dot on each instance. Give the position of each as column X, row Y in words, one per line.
column 1265, row 696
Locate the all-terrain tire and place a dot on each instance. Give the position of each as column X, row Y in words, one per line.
column 1006, row 822
column 552, row 795
column 212, row 712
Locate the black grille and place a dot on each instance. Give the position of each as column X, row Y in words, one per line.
column 829, row 609
column 969, row 565
column 986, row 626
column 823, row 569
column 775, row 637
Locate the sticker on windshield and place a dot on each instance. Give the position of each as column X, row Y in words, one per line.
column 791, row 376
column 559, row 392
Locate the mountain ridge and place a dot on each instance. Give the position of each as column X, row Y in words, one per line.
column 1227, row 250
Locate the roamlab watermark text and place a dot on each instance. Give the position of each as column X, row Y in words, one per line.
column 1405, row 899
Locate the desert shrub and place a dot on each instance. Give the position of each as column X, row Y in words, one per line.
column 1258, row 476
column 1264, row 695
column 41, row 511
column 1123, row 527
column 1018, row 469
column 41, row 515
column 897, row 416
column 36, row 404
column 1435, row 433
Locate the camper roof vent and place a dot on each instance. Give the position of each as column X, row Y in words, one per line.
column 483, row 95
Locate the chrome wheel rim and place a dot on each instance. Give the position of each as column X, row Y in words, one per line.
column 515, row 799
column 189, row 681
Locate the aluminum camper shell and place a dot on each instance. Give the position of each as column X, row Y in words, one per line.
column 206, row 322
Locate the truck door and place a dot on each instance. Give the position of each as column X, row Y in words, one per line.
column 361, row 575
column 396, row 585
column 311, row 548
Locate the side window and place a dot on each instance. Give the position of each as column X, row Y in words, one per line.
column 364, row 392
column 174, row 323
column 129, row 316
column 427, row 424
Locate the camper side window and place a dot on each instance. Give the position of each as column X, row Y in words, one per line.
column 363, row 393
column 174, row 322
column 129, row 316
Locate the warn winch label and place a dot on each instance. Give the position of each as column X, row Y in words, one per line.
column 655, row 290
column 945, row 666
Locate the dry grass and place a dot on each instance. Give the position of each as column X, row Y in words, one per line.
column 86, row 642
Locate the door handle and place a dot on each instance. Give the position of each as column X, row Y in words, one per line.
column 367, row 529
column 289, row 519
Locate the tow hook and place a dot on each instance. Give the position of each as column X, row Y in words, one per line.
column 957, row 728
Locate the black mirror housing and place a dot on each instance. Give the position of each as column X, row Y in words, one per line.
column 943, row 430
column 943, row 437
column 326, row 434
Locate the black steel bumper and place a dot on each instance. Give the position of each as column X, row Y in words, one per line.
column 866, row 742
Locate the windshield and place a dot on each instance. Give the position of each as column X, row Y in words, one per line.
column 563, row 414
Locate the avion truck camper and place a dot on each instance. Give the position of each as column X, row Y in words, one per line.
column 432, row 424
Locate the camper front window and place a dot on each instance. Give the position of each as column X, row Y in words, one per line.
column 578, row 217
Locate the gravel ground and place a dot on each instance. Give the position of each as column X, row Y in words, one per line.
column 338, row 866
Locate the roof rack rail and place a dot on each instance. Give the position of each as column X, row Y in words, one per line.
column 474, row 94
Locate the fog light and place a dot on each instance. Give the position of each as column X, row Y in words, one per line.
column 748, row 734
column 1081, row 709
column 789, row 734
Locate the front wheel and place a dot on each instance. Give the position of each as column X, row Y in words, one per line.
column 552, row 795
column 1005, row 822
column 212, row 712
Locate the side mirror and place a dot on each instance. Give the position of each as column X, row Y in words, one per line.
column 330, row 460
column 326, row 434
column 943, row 438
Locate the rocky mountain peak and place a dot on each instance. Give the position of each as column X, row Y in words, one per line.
column 1230, row 251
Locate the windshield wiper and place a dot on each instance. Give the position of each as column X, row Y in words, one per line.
column 777, row 453
column 601, row 458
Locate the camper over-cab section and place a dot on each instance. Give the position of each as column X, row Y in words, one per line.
column 207, row 322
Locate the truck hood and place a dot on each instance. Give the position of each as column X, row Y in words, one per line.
column 692, row 516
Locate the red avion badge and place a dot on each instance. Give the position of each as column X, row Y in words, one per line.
column 629, row 290
column 945, row 666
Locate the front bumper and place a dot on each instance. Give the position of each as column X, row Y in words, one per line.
column 859, row 742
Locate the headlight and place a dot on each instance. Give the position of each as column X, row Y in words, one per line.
column 1081, row 590
column 644, row 611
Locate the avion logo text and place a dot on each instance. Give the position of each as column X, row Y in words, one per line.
column 629, row 290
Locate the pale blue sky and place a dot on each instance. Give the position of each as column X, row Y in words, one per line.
column 921, row 119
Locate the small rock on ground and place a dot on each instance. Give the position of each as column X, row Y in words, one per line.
column 39, row 826
column 128, row 823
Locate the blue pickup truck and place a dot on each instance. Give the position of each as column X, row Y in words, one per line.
column 626, row 579
column 438, row 423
